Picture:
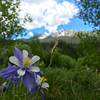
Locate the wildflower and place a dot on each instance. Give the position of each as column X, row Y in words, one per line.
column 22, row 68
column 42, row 84
column 41, row 81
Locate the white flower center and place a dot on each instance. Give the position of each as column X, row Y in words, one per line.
column 21, row 72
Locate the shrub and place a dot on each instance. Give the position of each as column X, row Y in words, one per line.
column 60, row 60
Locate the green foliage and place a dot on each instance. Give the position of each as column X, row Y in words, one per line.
column 89, row 50
column 9, row 22
column 68, row 49
column 60, row 60
column 90, row 11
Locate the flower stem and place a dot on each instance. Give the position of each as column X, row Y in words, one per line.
column 14, row 92
column 42, row 94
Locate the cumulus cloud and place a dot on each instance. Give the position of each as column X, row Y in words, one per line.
column 47, row 13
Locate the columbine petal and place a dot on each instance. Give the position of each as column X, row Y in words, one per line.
column 14, row 60
column 34, row 59
column 25, row 54
column 45, row 85
column 21, row 72
column 38, row 81
column 29, row 81
column 8, row 72
column 18, row 55
column 34, row 69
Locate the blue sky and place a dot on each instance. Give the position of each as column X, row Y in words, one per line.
column 51, row 16
column 76, row 24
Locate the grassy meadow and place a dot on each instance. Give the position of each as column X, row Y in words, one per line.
column 74, row 72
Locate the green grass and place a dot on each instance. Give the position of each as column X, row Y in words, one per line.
column 73, row 84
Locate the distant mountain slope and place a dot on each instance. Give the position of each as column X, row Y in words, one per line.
column 67, row 39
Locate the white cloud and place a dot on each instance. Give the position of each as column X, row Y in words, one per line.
column 30, row 34
column 78, row 0
column 47, row 13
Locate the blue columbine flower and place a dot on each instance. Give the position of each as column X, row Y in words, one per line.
column 22, row 68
